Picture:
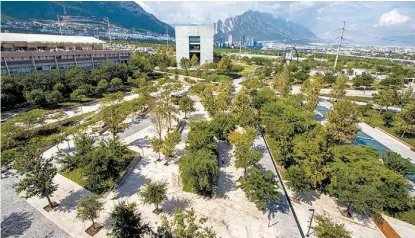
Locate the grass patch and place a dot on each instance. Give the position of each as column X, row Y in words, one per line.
column 75, row 175
column 373, row 118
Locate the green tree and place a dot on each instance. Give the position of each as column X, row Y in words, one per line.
column 406, row 119
column 170, row 143
column 102, row 86
column 224, row 65
column 341, row 121
column 224, row 96
column 327, row 228
column 201, row 135
column 158, row 118
column 78, row 94
column 199, row 171
column 154, row 193
column 260, row 188
column 405, row 96
column 297, row 180
column 209, row 102
column 385, row 97
column 116, row 83
column 126, row 221
column 186, row 105
column 53, row 97
column 184, row 63
column 222, row 124
column 88, row 208
column 183, row 225
column 388, row 117
column 35, row 97
column 157, row 145
column 395, row 162
column 113, row 116
column 329, row 78
column 282, row 82
column 311, row 90
column 38, row 176
column 365, row 80
column 339, row 89
column 194, row 61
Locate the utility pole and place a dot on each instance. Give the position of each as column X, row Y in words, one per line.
column 311, row 220
column 60, row 26
column 109, row 30
column 338, row 46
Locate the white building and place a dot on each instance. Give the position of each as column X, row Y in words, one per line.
column 194, row 40
column 230, row 39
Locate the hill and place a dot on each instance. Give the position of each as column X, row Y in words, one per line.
column 263, row 26
column 128, row 15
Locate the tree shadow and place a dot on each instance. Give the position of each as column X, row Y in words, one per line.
column 69, row 203
column 196, row 115
column 68, row 150
column 16, row 224
column 261, row 148
column 170, row 205
column 309, row 197
column 133, row 181
column 225, row 184
column 142, row 142
column 224, row 154
column 360, row 217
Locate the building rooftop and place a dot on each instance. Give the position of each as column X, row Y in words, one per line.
column 41, row 38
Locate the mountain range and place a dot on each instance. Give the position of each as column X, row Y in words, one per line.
column 263, row 27
column 128, row 15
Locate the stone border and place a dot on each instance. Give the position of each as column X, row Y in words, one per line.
column 396, row 138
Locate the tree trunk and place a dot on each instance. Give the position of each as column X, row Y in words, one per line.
column 245, row 172
column 50, row 202
column 403, row 133
column 159, row 155
column 93, row 223
column 184, row 114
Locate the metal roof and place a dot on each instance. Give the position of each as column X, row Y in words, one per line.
column 41, row 38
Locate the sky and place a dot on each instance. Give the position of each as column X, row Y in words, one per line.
column 377, row 19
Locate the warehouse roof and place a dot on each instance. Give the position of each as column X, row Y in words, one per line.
column 41, row 38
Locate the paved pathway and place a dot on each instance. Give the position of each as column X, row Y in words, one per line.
column 20, row 219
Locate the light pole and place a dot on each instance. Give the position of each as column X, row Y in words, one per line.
column 311, row 220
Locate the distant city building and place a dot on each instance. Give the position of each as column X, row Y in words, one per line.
column 25, row 53
column 194, row 40
column 230, row 42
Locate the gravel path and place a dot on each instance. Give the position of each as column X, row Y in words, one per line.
column 19, row 219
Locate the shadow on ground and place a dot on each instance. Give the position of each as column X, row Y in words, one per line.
column 309, row 197
column 133, row 181
column 69, row 203
column 16, row 224
column 175, row 202
column 142, row 142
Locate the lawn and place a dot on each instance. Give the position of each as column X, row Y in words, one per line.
column 373, row 118
column 75, row 175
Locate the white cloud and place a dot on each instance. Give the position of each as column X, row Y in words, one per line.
column 393, row 18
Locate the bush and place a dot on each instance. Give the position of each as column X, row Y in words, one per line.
column 388, row 118
column 408, row 216
column 35, row 97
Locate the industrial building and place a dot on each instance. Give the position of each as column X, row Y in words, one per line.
column 194, row 40
column 25, row 53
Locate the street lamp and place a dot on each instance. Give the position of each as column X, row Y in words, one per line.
column 311, row 220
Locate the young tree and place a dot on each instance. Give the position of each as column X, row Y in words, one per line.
column 363, row 80
column 406, row 119
column 339, row 89
column 184, row 63
column 157, row 145
column 170, row 143
column 127, row 222
column 224, row 65
column 224, row 97
column 38, row 176
column 154, row 193
column 205, row 67
column 88, row 208
column 385, row 97
column 243, row 141
column 260, row 188
column 406, row 96
column 209, row 102
column 297, row 180
column 113, row 116
column 388, row 117
column 194, row 61
column 198, row 171
column 282, row 82
column 186, row 105
column 311, row 90
column 184, row 224
column 158, row 118
column 341, row 121
column 327, row 228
